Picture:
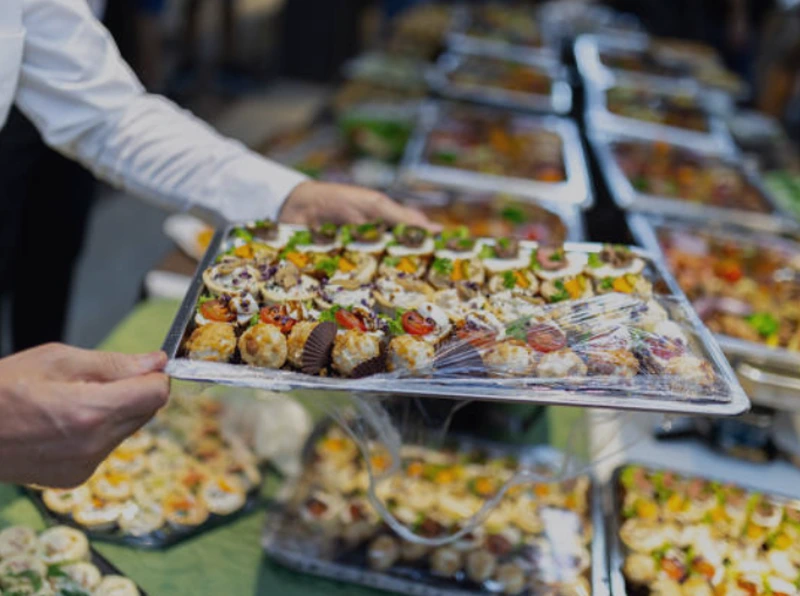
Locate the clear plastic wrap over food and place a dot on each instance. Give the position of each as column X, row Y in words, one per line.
column 451, row 517
column 371, row 310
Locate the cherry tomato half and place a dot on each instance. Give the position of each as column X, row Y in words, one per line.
column 348, row 320
column 214, row 310
column 544, row 337
column 415, row 324
column 478, row 338
column 276, row 315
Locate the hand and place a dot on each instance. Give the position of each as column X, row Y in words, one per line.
column 319, row 202
column 63, row 410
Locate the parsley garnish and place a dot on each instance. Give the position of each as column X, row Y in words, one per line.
column 562, row 293
column 443, row 267
column 764, row 323
column 391, row 261
column 395, row 325
column 487, row 252
column 607, row 283
column 346, row 235
column 203, row 299
column 242, row 234
column 509, row 280
column 535, row 265
column 594, row 260
column 503, row 242
column 34, row 578
column 514, row 215
column 519, row 329
column 328, row 265
column 55, row 571
column 329, row 316
column 254, row 320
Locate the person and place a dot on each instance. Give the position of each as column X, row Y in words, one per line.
column 63, row 409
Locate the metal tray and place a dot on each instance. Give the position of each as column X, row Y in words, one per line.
column 460, row 40
column 616, row 557
column 769, row 375
column 540, row 391
column 163, row 538
column 599, row 118
column 627, row 197
column 571, row 216
column 576, row 190
column 558, row 101
column 429, row 586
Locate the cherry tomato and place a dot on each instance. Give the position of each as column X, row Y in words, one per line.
column 276, row 315
column 415, row 324
column 664, row 349
column 544, row 337
column 673, row 569
column 728, row 270
column 214, row 310
column 704, row 568
column 478, row 338
column 348, row 320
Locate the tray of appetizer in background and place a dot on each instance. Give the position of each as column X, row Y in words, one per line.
column 665, row 179
column 640, row 60
column 494, row 214
column 503, row 79
column 493, row 150
column 362, row 308
column 171, row 481
column 494, row 26
column 679, row 534
column 58, row 560
column 746, row 288
column 565, row 20
column 541, row 537
column 670, row 115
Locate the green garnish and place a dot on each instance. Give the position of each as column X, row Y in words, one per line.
column 764, row 323
column 443, row 267
column 519, row 329
column 640, row 183
column 513, row 214
column 535, row 265
column 328, row 229
column 203, row 299
column 34, row 578
column 627, row 476
column 447, row 157
column 242, row 234
column 562, row 294
column 346, row 235
column 460, row 233
column 594, row 260
column 55, row 571
column 399, row 229
column 329, row 266
column 254, row 320
column 487, row 252
column 503, row 242
column 301, row 238
column 607, row 283
column 557, row 256
column 391, row 261
column 329, row 316
column 509, row 280
column 395, row 325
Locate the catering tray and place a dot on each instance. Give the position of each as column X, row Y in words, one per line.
column 426, row 358
column 180, row 463
column 494, row 214
column 769, row 374
column 575, row 190
column 773, row 219
column 291, row 539
column 463, row 36
column 558, row 100
column 54, row 573
column 764, row 533
column 715, row 138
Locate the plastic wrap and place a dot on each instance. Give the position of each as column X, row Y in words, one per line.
column 503, row 79
column 365, row 310
column 58, row 560
column 492, row 150
column 179, row 477
column 667, row 179
column 456, row 517
column 679, row 534
column 567, row 19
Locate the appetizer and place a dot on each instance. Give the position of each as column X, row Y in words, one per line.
column 508, row 75
column 57, row 561
column 507, row 24
column 639, row 103
column 691, row 536
column 536, row 538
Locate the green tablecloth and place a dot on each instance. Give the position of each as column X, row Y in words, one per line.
column 226, row 561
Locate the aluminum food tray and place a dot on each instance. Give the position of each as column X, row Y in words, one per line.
column 616, row 550
column 576, row 190
column 599, row 118
column 769, row 375
column 628, row 198
column 342, row 572
column 656, row 399
column 559, row 100
column 571, row 216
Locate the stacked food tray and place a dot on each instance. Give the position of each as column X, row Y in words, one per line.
column 672, row 533
column 744, row 285
column 659, row 177
column 538, row 157
column 503, row 79
column 545, row 535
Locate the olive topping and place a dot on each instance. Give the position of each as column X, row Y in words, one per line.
column 369, row 232
column 324, row 234
column 616, row 256
column 264, row 230
column 551, row 259
column 410, row 236
column 458, row 244
column 506, row 248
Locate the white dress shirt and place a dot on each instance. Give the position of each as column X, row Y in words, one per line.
column 60, row 66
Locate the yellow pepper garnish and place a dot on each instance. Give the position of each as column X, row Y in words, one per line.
column 406, row 265
column 334, row 444
column 754, row 532
column 647, row 510
column 244, row 252
column 541, row 490
column 622, row 285
column 458, row 270
column 782, row 541
column 521, row 280
column 346, row 266
column 718, row 514
column 575, row 287
column 415, row 469
column 298, row 259
column 444, row 477
column 484, row 486
column 674, row 503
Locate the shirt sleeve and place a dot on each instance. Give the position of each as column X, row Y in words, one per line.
column 86, row 102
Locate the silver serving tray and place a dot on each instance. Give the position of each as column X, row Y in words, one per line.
column 571, row 216
column 576, row 190
column 771, row 376
column 298, row 561
column 540, row 391
column 599, row 118
column 559, row 100
column 628, row 198
column 459, row 39
column 590, row 66
column 616, row 550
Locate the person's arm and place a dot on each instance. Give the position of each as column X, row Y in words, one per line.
column 87, row 103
